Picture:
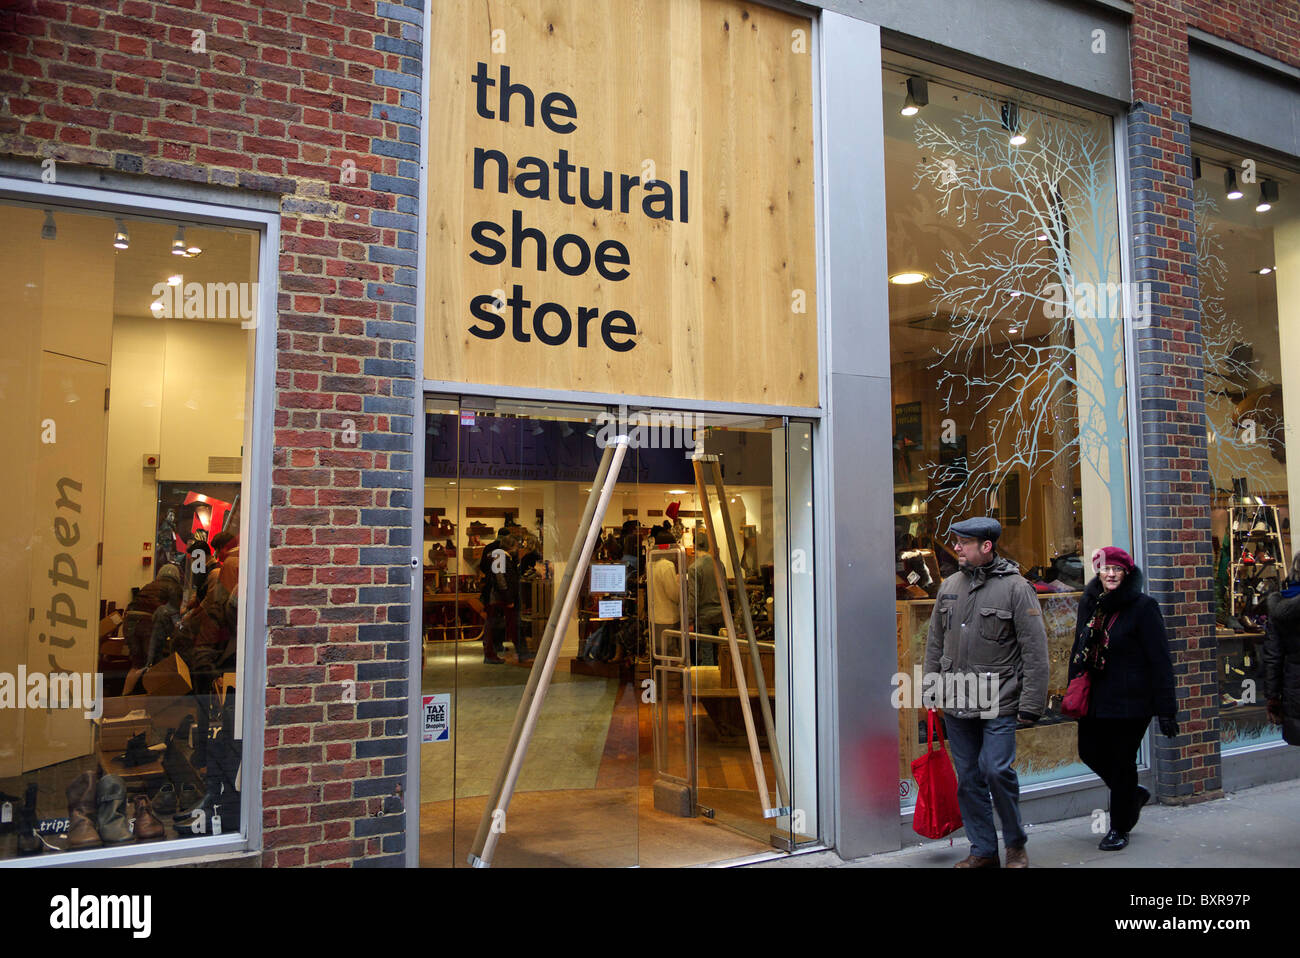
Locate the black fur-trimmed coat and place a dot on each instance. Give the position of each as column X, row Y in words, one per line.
column 1282, row 661
column 1138, row 680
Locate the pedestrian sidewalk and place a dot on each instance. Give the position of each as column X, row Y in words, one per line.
column 1255, row 828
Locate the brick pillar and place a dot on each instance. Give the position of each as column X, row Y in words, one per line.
column 1171, row 383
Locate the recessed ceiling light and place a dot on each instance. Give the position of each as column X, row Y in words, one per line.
column 678, row 492
column 1042, row 237
column 1264, row 270
column 505, row 488
column 909, row 278
column 175, row 279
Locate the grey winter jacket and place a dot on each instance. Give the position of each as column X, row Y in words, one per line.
column 989, row 621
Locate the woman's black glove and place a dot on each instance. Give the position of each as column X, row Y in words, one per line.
column 1168, row 726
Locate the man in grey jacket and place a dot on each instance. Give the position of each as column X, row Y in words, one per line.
column 987, row 633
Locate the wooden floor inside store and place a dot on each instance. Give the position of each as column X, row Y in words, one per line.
column 614, row 823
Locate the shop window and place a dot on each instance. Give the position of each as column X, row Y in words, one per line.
column 1248, row 254
column 123, row 385
column 1007, row 361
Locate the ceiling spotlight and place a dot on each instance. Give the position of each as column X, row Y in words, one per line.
column 591, row 430
column 1014, row 329
column 48, row 229
column 1042, row 237
column 1011, row 122
column 1015, row 294
column 175, row 279
column 1264, row 270
column 121, row 239
column 1230, row 184
column 178, row 242
column 1267, row 196
column 918, row 95
column 909, row 278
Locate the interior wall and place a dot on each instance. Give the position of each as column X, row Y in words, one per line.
column 178, row 391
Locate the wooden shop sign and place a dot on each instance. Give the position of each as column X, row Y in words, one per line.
column 620, row 199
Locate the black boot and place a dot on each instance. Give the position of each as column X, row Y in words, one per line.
column 29, row 843
column 1114, row 841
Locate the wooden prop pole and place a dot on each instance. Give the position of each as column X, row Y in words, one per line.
column 764, row 706
column 539, row 679
column 721, row 576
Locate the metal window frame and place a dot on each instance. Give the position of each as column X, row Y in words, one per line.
column 152, row 200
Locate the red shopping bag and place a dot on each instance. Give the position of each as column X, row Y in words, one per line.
column 937, row 813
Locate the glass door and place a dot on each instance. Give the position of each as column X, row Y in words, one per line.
column 636, row 758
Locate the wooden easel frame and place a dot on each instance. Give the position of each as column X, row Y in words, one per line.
column 539, row 678
column 765, row 707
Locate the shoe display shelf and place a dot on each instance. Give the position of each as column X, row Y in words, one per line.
column 1254, row 541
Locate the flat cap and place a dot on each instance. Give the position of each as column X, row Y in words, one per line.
column 978, row 527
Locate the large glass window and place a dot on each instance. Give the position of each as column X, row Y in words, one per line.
column 1006, row 343
column 124, row 392
column 1248, row 252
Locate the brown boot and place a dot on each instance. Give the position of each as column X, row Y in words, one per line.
column 1017, row 857
column 81, row 812
column 147, row 825
column 975, row 861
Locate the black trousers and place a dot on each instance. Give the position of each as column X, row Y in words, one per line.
column 1109, row 747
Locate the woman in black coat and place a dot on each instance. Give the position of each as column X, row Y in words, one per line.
column 1120, row 639
column 1282, row 657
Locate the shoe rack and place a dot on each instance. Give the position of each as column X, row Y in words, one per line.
column 1256, row 553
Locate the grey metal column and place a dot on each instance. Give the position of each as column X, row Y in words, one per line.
column 858, row 440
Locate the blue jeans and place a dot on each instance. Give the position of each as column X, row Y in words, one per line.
column 984, row 753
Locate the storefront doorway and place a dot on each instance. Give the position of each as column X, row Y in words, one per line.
column 505, row 487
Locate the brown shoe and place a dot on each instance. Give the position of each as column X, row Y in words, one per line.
column 1017, row 857
column 81, row 812
column 147, row 825
column 975, row 861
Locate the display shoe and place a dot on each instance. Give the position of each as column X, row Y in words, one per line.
column 1017, row 857
column 1228, row 702
column 1143, row 796
column 205, row 803
column 148, row 826
column 1114, row 841
column 29, row 843
column 81, row 812
column 137, row 751
column 1235, row 624
column 164, row 802
column 977, row 861
column 1263, row 557
column 1246, row 558
column 110, row 799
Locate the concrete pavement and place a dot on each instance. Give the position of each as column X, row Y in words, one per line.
column 1256, row 827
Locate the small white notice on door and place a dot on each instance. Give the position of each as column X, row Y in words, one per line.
column 611, row 608
column 609, row 578
column 437, row 715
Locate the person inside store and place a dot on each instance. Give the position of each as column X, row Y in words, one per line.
column 501, row 572
column 198, row 560
column 1281, row 657
column 667, row 594
column 1121, row 644
column 206, row 636
column 138, row 623
column 166, row 619
column 987, row 619
column 705, row 605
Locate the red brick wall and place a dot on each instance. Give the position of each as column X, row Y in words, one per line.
column 1270, row 27
column 283, row 94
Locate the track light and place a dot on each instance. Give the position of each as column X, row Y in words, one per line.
column 918, row 95
column 1230, row 184
column 1011, row 122
column 1267, row 196
column 181, row 248
column 121, row 239
column 48, row 230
